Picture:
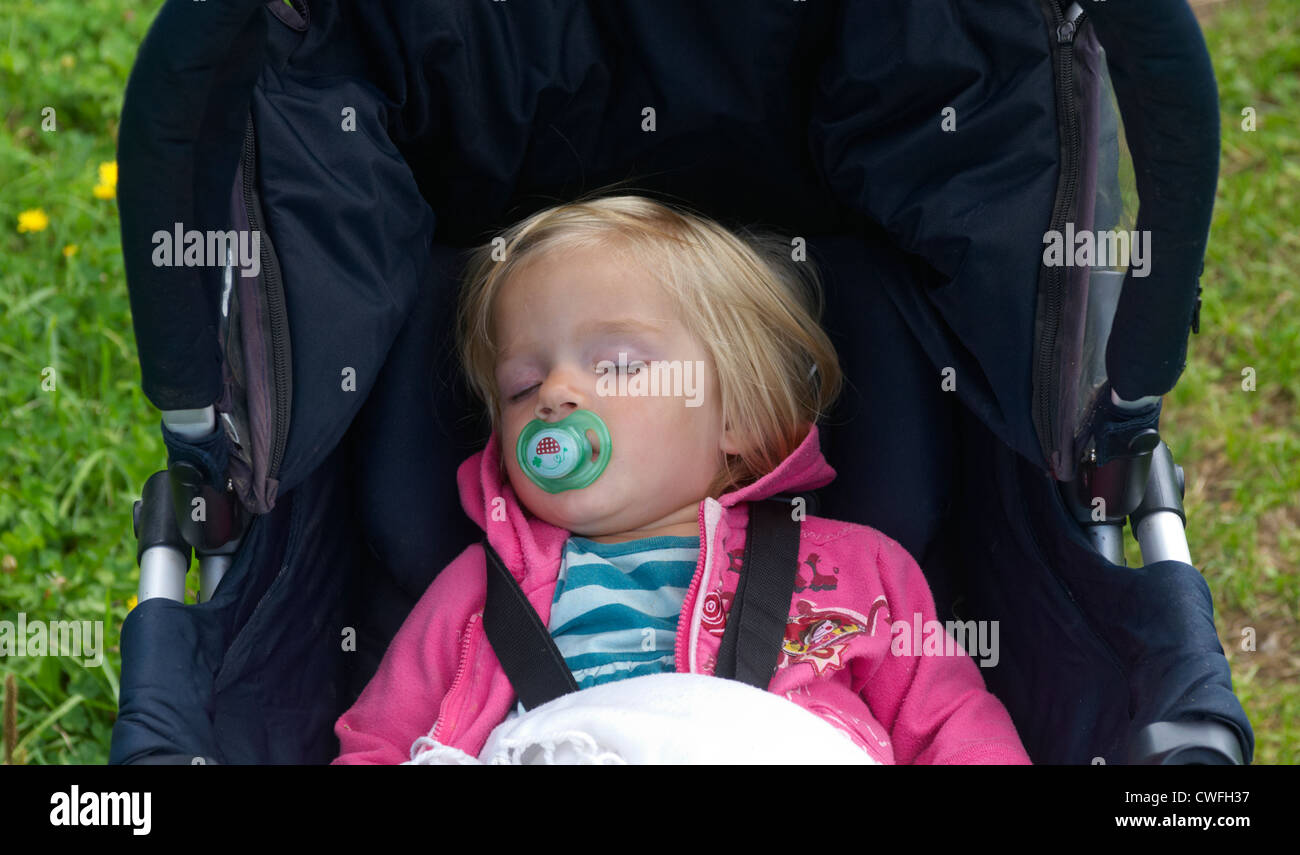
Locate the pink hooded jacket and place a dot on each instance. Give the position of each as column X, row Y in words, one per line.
column 440, row 677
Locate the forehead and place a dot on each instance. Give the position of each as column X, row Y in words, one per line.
column 570, row 278
column 582, row 292
column 593, row 328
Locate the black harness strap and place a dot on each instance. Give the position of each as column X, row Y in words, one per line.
column 751, row 643
column 524, row 647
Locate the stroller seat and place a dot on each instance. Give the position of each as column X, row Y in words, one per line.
column 920, row 153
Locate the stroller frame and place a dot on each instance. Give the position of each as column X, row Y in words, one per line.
column 1103, row 466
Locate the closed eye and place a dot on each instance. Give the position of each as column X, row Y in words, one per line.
column 519, row 396
column 635, row 366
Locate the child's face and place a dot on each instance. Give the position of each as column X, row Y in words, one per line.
column 556, row 319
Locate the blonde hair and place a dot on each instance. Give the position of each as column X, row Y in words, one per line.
column 753, row 307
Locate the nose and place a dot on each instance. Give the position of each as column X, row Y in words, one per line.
column 560, row 394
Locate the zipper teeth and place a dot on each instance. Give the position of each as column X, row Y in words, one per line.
column 278, row 324
column 688, row 605
column 460, row 671
column 1056, row 276
column 275, row 305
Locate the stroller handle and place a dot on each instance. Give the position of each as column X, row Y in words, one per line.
column 178, row 145
column 1164, row 83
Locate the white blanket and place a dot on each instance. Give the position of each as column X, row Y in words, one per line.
column 661, row 718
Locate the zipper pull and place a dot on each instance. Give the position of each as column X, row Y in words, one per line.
column 1070, row 24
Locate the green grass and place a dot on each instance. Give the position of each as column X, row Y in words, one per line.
column 72, row 460
column 1240, row 447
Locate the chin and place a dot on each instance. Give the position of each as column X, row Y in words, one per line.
column 578, row 511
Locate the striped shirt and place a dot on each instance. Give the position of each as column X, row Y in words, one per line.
column 614, row 614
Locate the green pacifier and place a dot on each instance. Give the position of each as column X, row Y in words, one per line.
column 556, row 456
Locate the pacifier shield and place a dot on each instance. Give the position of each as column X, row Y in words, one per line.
column 558, row 456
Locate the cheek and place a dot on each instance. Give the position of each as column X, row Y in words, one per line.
column 509, row 436
column 664, row 437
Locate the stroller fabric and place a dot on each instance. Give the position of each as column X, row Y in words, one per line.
column 390, row 135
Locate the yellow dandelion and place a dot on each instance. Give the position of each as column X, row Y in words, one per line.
column 70, row 250
column 32, row 221
column 132, row 603
column 107, row 186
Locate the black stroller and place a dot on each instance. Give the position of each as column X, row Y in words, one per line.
column 1002, row 410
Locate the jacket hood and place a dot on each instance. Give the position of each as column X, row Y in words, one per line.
column 527, row 544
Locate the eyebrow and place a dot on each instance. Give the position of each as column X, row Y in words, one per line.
column 619, row 325
column 606, row 327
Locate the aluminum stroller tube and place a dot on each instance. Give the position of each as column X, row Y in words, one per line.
column 1108, row 540
column 1158, row 522
column 162, row 574
column 163, row 555
column 213, row 567
column 1162, row 538
column 191, row 424
column 1133, row 406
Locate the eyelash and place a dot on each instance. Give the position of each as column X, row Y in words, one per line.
column 636, row 364
column 519, row 396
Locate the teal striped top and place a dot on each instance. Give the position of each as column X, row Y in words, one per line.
column 614, row 613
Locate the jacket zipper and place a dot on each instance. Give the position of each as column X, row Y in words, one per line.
column 275, row 305
column 688, row 605
column 1046, row 363
column 443, row 713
